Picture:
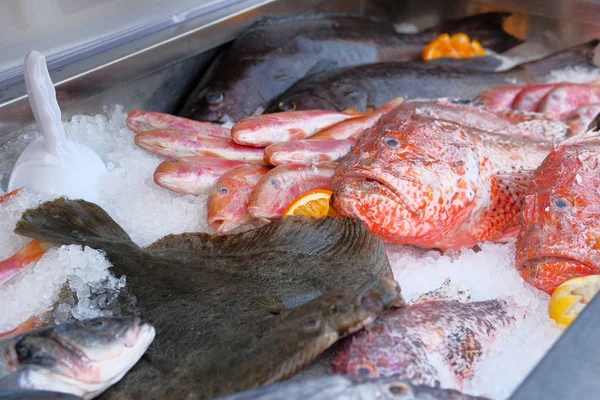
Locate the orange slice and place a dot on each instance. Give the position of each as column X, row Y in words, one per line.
column 570, row 298
column 311, row 204
column 457, row 46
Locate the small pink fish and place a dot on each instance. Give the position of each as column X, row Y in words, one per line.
column 283, row 184
column 264, row 130
column 568, row 97
column 500, row 98
column 228, row 202
column 579, row 119
column 307, row 152
column 192, row 175
column 27, row 255
column 32, row 323
column 354, row 128
column 143, row 121
column 9, row 195
column 529, row 97
column 175, row 144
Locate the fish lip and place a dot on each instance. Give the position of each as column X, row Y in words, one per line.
column 385, row 186
column 545, row 258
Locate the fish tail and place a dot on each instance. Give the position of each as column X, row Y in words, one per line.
column 581, row 55
column 28, row 254
column 64, row 221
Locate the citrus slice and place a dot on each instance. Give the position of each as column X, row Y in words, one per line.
column 457, row 46
column 570, row 298
column 311, row 204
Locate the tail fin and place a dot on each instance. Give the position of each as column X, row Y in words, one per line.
column 581, row 55
column 64, row 221
column 486, row 28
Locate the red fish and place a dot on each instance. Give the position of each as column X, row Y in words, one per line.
column 228, row 202
column 436, row 183
column 307, row 152
column 27, row 255
column 143, row 121
column 32, row 323
column 529, row 97
column 171, row 143
column 500, row 98
column 283, row 184
column 568, row 97
column 9, row 195
column 560, row 227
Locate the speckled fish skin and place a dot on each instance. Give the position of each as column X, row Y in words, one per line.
column 264, row 130
column 560, row 227
column 228, row 202
column 192, row 175
column 339, row 387
column 432, row 343
column 568, row 97
column 143, row 121
column 171, row 143
column 354, row 128
column 435, row 183
column 579, row 119
column 283, row 184
column 308, row 152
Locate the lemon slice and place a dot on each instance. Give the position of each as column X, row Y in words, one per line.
column 570, row 298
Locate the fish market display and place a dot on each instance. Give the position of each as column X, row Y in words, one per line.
column 83, row 358
column 228, row 202
column 333, row 271
column 276, row 190
column 339, row 387
column 373, row 85
column 436, row 183
column 433, row 343
column 560, row 229
column 274, row 53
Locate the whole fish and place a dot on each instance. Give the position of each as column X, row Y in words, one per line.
column 228, row 202
column 264, row 130
column 192, row 175
column 373, row 85
column 431, row 343
column 176, row 144
column 529, row 98
column 275, row 52
column 83, row 358
column 235, row 311
column 36, row 395
column 436, row 183
column 283, row 184
column 338, row 387
column 579, row 119
column 307, row 152
column 568, row 97
column 560, row 226
column 31, row 253
column 143, row 121
column 354, row 128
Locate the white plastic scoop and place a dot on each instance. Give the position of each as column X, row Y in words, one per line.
column 52, row 163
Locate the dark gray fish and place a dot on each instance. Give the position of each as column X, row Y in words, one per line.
column 222, row 305
column 339, row 387
column 36, row 395
column 82, row 358
column 374, row 85
column 273, row 54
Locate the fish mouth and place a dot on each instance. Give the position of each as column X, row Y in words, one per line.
column 548, row 271
column 260, row 213
column 384, row 188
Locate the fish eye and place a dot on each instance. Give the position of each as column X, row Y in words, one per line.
column 390, row 142
column 366, row 371
column 286, row 106
column 398, row 389
column 223, row 190
column 274, row 184
column 214, row 97
column 335, row 308
column 561, row 203
column 96, row 324
column 312, row 324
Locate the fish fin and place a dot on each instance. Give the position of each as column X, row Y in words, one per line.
column 274, row 305
column 484, row 63
column 354, row 111
column 322, row 66
column 64, row 221
column 503, row 213
column 337, row 238
column 462, row 351
column 487, row 28
column 445, row 292
column 8, row 195
column 594, row 125
column 582, row 54
column 31, row 253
